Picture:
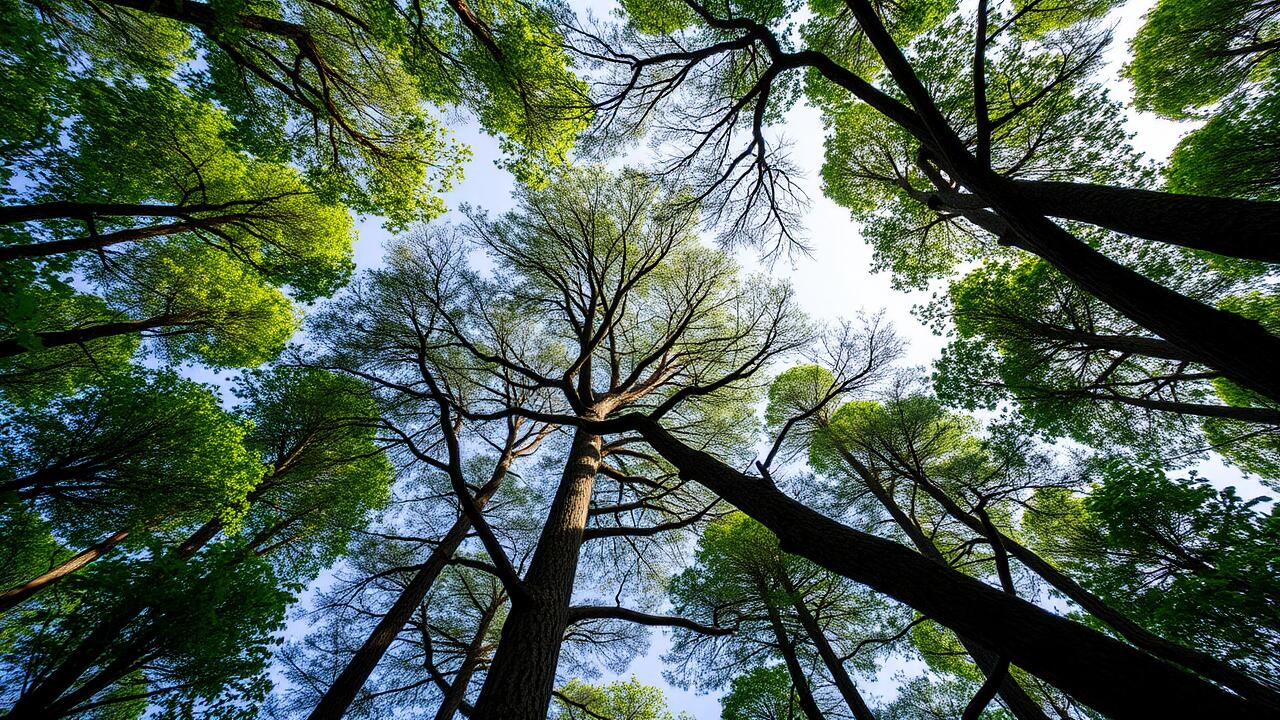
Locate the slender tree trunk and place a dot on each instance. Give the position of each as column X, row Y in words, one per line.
column 844, row 683
column 1112, row 677
column 522, row 675
column 37, row 701
column 19, row 593
column 457, row 694
column 338, row 698
column 804, row 693
column 9, row 348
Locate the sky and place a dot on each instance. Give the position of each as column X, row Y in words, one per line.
column 832, row 282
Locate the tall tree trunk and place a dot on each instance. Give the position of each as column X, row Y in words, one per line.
column 457, row 694
column 522, row 675
column 844, row 683
column 804, row 693
column 19, row 593
column 338, row 698
column 1112, row 677
column 1226, row 226
column 128, row 660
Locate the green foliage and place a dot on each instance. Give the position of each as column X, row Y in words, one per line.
column 1194, row 563
column 316, row 431
column 761, row 693
column 139, row 451
column 618, row 700
column 36, row 377
column 1192, row 53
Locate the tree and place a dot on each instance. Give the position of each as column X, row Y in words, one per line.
column 1178, row 555
column 324, row 473
column 143, row 452
column 644, row 317
column 960, row 123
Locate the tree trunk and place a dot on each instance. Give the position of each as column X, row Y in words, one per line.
column 788, row 650
column 1226, row 226
column 19, row 593
column 457, row 694
column 1112, row 677
column 522, row 675
column 1189, row 658
column 844, row 683
column 338, row 698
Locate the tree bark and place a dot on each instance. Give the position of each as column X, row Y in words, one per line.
column 788, row 650
column 1108, row 675
column 844, row 683
column 1226, row 226
column 522, row 675
column 338, row 698
column 19, row 593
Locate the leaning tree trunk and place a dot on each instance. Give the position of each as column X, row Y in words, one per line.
column 1189, row 658
column 835, row 666
column 1100, row 671
column 338, row 698
column 788, row 650
column 522, row 676
column 19, row 593
column 36, row 701
column 1015, row 697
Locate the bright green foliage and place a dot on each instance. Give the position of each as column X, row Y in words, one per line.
column 316, row 431
column 1216, row 58
column 618, row 700
column 1233, row 154
column 1196, row 564
column 761, row 693
column 266, row 216
column 37, row 377
column 735, row 579
column 204, row 305
column 208, row 635
column 1192, row 53
column 139, row 451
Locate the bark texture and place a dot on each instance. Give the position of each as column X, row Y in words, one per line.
column 522, row 675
